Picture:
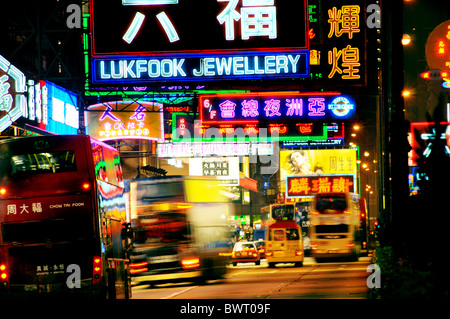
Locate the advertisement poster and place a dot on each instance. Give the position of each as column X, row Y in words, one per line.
column 320, row 162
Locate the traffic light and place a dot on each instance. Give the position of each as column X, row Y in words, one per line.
column 376, row 225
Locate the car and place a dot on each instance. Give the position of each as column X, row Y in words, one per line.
column 261, row 246
column 245, row 252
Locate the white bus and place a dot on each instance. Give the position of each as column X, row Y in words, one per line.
column 335, row 225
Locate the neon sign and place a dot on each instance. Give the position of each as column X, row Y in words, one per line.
column 186, row 41
column 199, row 67
column 126, row 120
column 437, row 48
column 275, row 107
column 13, row 103
column 170, row 150
column 308, row 185
column 339, row 42
column 185, row 129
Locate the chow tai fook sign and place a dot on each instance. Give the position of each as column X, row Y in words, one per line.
column 126, row 120
column 141, row 41
column 13, row 102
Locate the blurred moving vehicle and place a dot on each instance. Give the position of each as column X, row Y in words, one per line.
column 335, row 225
column 261, row 246
column 284, row 243
column 245, row 252
column 180, row 228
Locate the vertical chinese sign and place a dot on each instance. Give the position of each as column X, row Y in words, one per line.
column 126, row 120
column 341, row 54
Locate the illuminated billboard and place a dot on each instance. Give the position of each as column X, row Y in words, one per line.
column 310, row 162
column 142, row 41
column 61, row 105
column 275, row 107
column 125, row 120
column 306, row 186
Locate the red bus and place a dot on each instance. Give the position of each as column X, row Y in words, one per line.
column 62, row 218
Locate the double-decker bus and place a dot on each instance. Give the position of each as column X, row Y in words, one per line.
column 181, row 230
column 62, row 218
column 335, row 225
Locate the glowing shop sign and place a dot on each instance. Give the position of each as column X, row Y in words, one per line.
column 437, row 48
column 169, row 150
column 188, row 26
column 185, row 129
column 200, row 67
column 126, row 120
column 310, row 162
column 275, row 107
column 186, row 40
column 306, row 186
column 13, row 103
column 345, row 61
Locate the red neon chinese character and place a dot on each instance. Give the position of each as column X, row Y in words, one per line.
column 299, row 185
column 321, row 185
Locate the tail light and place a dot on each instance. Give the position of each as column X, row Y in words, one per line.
column 3, row 276
column 190, row 263
column 299, row 253
column 351, row 244
column 136, row 268
column 2, row 191
column 269, row 253
column 97, row 270
column 86, row 186
column 314, row 245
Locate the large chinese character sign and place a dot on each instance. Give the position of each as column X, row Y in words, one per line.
column 139, row 41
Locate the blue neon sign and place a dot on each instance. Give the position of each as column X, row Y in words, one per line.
column 200, row 67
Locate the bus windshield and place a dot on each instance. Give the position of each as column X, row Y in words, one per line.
column 28, row 164
column 335, row 203
column 163, row 227
column 283, row 212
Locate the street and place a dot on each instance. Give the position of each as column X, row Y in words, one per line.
column 327, row 280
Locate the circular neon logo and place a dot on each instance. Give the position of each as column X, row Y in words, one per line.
column 340, row 106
